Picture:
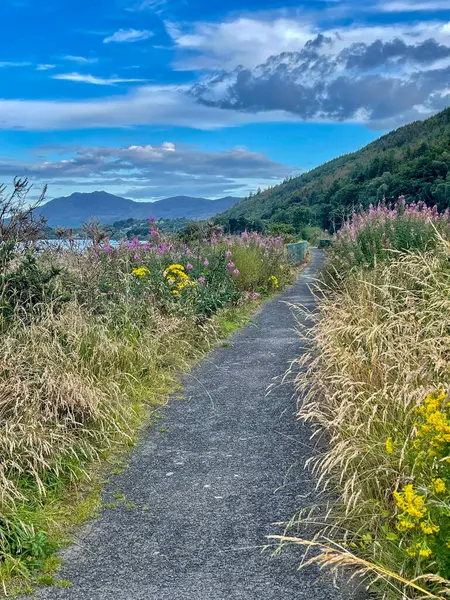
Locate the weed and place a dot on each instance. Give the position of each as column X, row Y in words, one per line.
column 45, row 580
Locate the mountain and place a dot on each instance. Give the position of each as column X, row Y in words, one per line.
column 413, row 160
column 73, row 210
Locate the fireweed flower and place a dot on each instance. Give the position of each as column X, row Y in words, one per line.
column 202, row 280
column 189, row 267
column 206, row 263
column 107, row 249
column 228, row 253
column 230, row 265
column 236, row 272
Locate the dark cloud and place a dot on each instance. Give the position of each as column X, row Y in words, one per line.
column 379, row 54
column 373, row 82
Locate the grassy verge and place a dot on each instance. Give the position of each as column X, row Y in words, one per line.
column 375, row 389
column 93, row 343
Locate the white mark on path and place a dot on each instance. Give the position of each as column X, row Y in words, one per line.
column 207, row 485
column 169, row 474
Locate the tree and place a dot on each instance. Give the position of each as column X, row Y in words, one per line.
column 17, row 216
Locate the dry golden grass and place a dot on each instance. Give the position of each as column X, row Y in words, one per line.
column 381, row 342
column 70, row 386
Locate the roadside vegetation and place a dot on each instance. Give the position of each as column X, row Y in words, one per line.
column 375, row 387
column 92, row 340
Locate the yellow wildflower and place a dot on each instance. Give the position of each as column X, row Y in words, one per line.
column 141, row 272
column 429, row 528
column 410, row 503
column 273, row 281
column 405, row 525
column 425, row 552
column 175, row 292
column 438, row 485
column 389, row 445
column 434, row 432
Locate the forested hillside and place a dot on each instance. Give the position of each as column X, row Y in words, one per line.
column 414, row 161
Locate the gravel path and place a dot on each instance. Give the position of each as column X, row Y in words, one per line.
column 206, row 491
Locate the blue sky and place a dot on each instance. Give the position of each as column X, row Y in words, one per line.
column 153, row 98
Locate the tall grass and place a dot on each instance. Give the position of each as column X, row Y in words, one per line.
column 374, row 385
column 89, row 341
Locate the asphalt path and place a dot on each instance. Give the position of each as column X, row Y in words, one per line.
column 202, row 494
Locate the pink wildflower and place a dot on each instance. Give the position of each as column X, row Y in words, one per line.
column 202, row 280
column 230, row 265
column 236, row 272
column 206, row 263
column 189, row 267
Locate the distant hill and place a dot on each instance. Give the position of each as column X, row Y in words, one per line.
column 73, row 210
column 413, row 160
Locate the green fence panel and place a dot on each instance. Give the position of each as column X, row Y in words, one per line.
column 297, row 251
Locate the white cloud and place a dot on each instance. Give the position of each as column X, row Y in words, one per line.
column 128, row 35
column 45, row 67
column 12, row 64
column 405, row 6
column 155, row 5
column 146, row 105
column 81, row 60
column 251, row 41
column 241, row 41
column 81, row 78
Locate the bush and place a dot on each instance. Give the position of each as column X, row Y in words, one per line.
column 26, row 284
column 313, row 234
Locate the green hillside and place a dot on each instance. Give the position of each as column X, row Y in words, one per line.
column 414, row 160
